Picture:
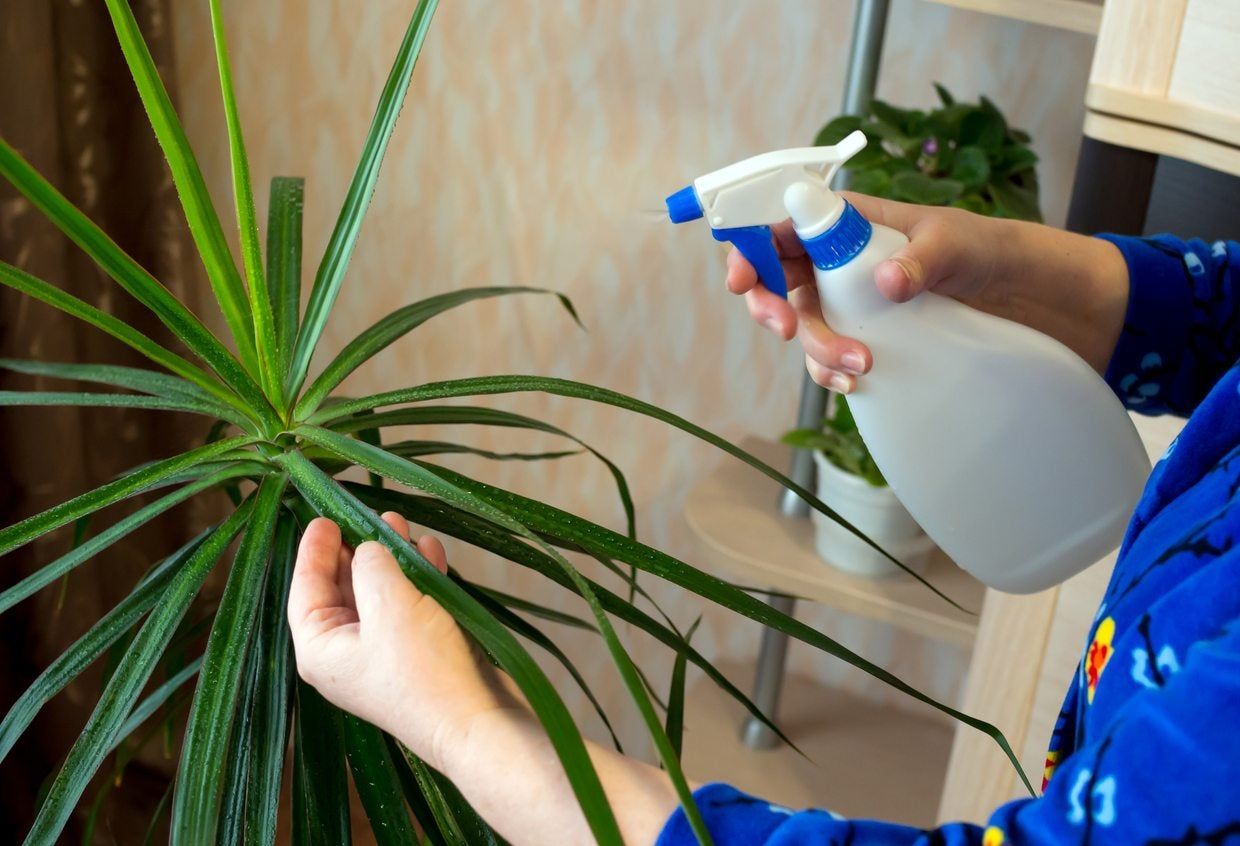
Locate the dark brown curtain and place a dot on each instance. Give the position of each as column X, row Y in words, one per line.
column 67, row 103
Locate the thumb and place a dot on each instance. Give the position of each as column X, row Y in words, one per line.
column 929, row 258
column 380, row 587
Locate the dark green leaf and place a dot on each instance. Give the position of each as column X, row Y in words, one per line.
column 972, row 166
column 945, row 96
column 876, row 183
column 284, row 218
column 837, row 130
column 983, row 128
column 273, row 696
column 1015, row 202
column 485, row 385
column 90, row 400
column 196, row 802
column 343, row 239
column 21, row 281
column 458, row 823
column 129, row 274
column 395, row 326
column 374, row 778
column 676, row 696
column 320, row 784
column 264, row 332
column 204, row 223
column 86, row 649
column 424, row 478
column 449, row 415
column 157, row 698
column 594, row 538
column 418, row 449
column 90, row 548
column 439, row 517
column 237, row 760
column 915, row 187
column 88, row 503
column 126, row 684
column 359, row 523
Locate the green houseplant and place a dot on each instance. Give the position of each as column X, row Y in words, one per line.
column 959, row 154
column 275, row 442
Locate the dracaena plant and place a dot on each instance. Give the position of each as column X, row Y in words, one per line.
column 276, row 443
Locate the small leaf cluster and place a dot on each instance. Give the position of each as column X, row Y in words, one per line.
column 959, row 154
column 839, row 440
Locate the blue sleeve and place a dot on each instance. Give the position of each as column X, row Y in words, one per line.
column 1164, row 771
column 1182, row 327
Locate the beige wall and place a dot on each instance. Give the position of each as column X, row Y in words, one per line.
column 536, row 145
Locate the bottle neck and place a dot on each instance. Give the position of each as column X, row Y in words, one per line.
column 841, row 241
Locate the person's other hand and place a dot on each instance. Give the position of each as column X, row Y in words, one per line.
column 1071, row 287
column 373, row 644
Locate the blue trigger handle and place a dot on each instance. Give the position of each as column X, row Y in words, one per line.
column 756, row 246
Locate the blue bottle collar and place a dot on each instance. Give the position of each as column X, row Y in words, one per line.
column 840, row 243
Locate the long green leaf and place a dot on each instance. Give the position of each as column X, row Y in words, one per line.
column 457, row 821
column 91, row 400
column 129, row 274
column 359, row 523
column 247, row 222
column 488, row 385
column 395, row 326
column 273, row 696
column 320, row 784
column 27, row 530
column 131, row 378
column 535, row 636
column 126, row 684
column 676, row 696
column 428, row 823
column 156, row 699
column 449, row 415
column 343, row 239
column 419, row 449
column 238, row 759
column 453, row 522
column 420, row 476
column 594, row 538
column 196, row 802
column 21, row 281
column 375, row 780
column 92, row 547
column 204, row 223
column 284, row 216
column 86, row 649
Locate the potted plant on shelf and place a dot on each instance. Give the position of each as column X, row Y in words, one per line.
column 275, row 440
column 959, row 154
column 963, row 155
column 850, row 482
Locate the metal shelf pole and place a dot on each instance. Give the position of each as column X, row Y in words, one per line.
column 869, row 26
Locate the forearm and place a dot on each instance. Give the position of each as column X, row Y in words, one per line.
column 1071, row 287
column 505, row 765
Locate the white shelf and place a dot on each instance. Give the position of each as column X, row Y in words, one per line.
column 732, row 511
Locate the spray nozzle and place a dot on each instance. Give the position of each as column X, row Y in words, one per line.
column 742, row 200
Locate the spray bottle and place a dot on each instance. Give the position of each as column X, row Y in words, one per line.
column 1008, row 449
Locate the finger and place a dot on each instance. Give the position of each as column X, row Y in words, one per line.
column 824, row 346
column 398, row 523
column 344, row 577
column 314, row 587
column 380, row 586
column 771, row 311
column 828, row 378
column 741, row 277
column 431, row 547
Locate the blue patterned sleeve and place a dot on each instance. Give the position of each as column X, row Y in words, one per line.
column 1182, row 327
column 1163, row 771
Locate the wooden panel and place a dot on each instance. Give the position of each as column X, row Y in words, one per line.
column 1207, row 66
column 1137, row 44
column 1075, row 15
column 1002, row 680
column 1163, row 141
column 1181, row 116
column 732, row 512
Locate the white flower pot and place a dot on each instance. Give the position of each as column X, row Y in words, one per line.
column 876, row 513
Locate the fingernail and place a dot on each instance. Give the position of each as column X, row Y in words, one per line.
column 840, row 382
column 853, row 362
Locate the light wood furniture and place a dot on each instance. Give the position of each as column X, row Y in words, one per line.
column 1075, row 15
column 731, row 511
column 1166, row 80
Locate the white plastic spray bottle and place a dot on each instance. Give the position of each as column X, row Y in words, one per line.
column 1008, row 449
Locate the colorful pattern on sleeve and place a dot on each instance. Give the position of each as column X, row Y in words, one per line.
column 1147, row 745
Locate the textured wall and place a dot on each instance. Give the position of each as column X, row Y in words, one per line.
column 536, row 145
